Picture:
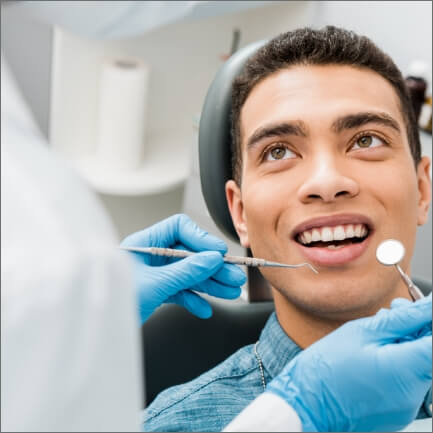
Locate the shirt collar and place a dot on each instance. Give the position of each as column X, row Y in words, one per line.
column 275, row 347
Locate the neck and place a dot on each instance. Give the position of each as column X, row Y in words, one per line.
column 305, row 327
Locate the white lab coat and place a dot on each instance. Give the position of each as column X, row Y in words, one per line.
column 69, row 328
column 70, row 358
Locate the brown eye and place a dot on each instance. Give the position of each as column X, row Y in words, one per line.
column 367, row 142
column 278, row 153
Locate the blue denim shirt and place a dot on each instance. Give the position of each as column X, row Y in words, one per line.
column 211, row 401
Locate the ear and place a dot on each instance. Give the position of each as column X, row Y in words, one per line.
column 236, row 207
column 424, row 189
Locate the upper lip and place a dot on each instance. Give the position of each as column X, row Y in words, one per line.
column 331, row 221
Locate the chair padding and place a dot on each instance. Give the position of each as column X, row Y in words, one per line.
column 215, row 139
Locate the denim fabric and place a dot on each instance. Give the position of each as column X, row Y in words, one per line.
column 211, row 401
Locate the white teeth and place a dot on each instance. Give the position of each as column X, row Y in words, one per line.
column 350, row 232
column 315, row 235
column 327, row 234
column 307, row 236
column 339, row 233
column 358, row 230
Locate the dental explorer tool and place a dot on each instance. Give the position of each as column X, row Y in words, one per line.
column 237, row 260
column 390, row 253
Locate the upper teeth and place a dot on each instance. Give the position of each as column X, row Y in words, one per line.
column 338, row 233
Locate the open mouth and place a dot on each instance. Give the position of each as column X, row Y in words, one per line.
column 333, row 238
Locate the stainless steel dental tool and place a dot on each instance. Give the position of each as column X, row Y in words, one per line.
column 390, row 253
column 237, row 260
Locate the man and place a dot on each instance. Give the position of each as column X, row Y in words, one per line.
column 326, row 163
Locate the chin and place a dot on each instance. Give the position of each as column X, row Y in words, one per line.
column 344, row 299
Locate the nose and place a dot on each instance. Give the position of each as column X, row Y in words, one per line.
column 326, row 181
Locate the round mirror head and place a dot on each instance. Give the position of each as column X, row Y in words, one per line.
column 390, row 252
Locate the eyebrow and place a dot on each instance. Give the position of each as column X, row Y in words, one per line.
column 277, row 130
column 360, row 119
column 299, row 128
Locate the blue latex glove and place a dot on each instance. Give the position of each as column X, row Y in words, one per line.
column 169, row 280
column 427, row 330
column 365, row 376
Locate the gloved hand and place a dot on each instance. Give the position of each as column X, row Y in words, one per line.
column 166, row 279
column 368, row 375
column 426, row 330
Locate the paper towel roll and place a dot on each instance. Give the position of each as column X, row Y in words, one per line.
column 122, row 114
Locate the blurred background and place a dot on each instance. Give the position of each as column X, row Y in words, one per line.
column 60, row 76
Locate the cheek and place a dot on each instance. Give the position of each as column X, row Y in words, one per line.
column 261, row 203
column 400, row 194
column 265, row 202
column 407, row 217
column 397, row 192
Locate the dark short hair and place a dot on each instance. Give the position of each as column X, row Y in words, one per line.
column 328, row 46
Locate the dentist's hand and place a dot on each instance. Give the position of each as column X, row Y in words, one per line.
column 371, row 374
column 169, row 280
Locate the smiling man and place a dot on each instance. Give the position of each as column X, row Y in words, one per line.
column 327, row 164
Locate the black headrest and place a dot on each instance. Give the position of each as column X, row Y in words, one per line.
column 215, row 139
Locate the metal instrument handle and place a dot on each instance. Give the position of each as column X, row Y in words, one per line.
column 237, row 260
column 247, row 261
column 414, row 291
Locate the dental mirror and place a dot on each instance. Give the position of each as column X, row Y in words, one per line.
column 390, row 253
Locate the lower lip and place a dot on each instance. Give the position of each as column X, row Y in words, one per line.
column 326, row 257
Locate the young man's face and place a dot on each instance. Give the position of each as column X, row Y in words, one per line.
column 326, row 157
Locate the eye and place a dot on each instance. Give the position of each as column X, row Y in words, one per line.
column 279, row 152
column 367, row 141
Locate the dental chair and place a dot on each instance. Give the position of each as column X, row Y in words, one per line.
column 177, row 346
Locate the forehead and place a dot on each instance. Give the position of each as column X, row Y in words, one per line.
column 317, row 95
